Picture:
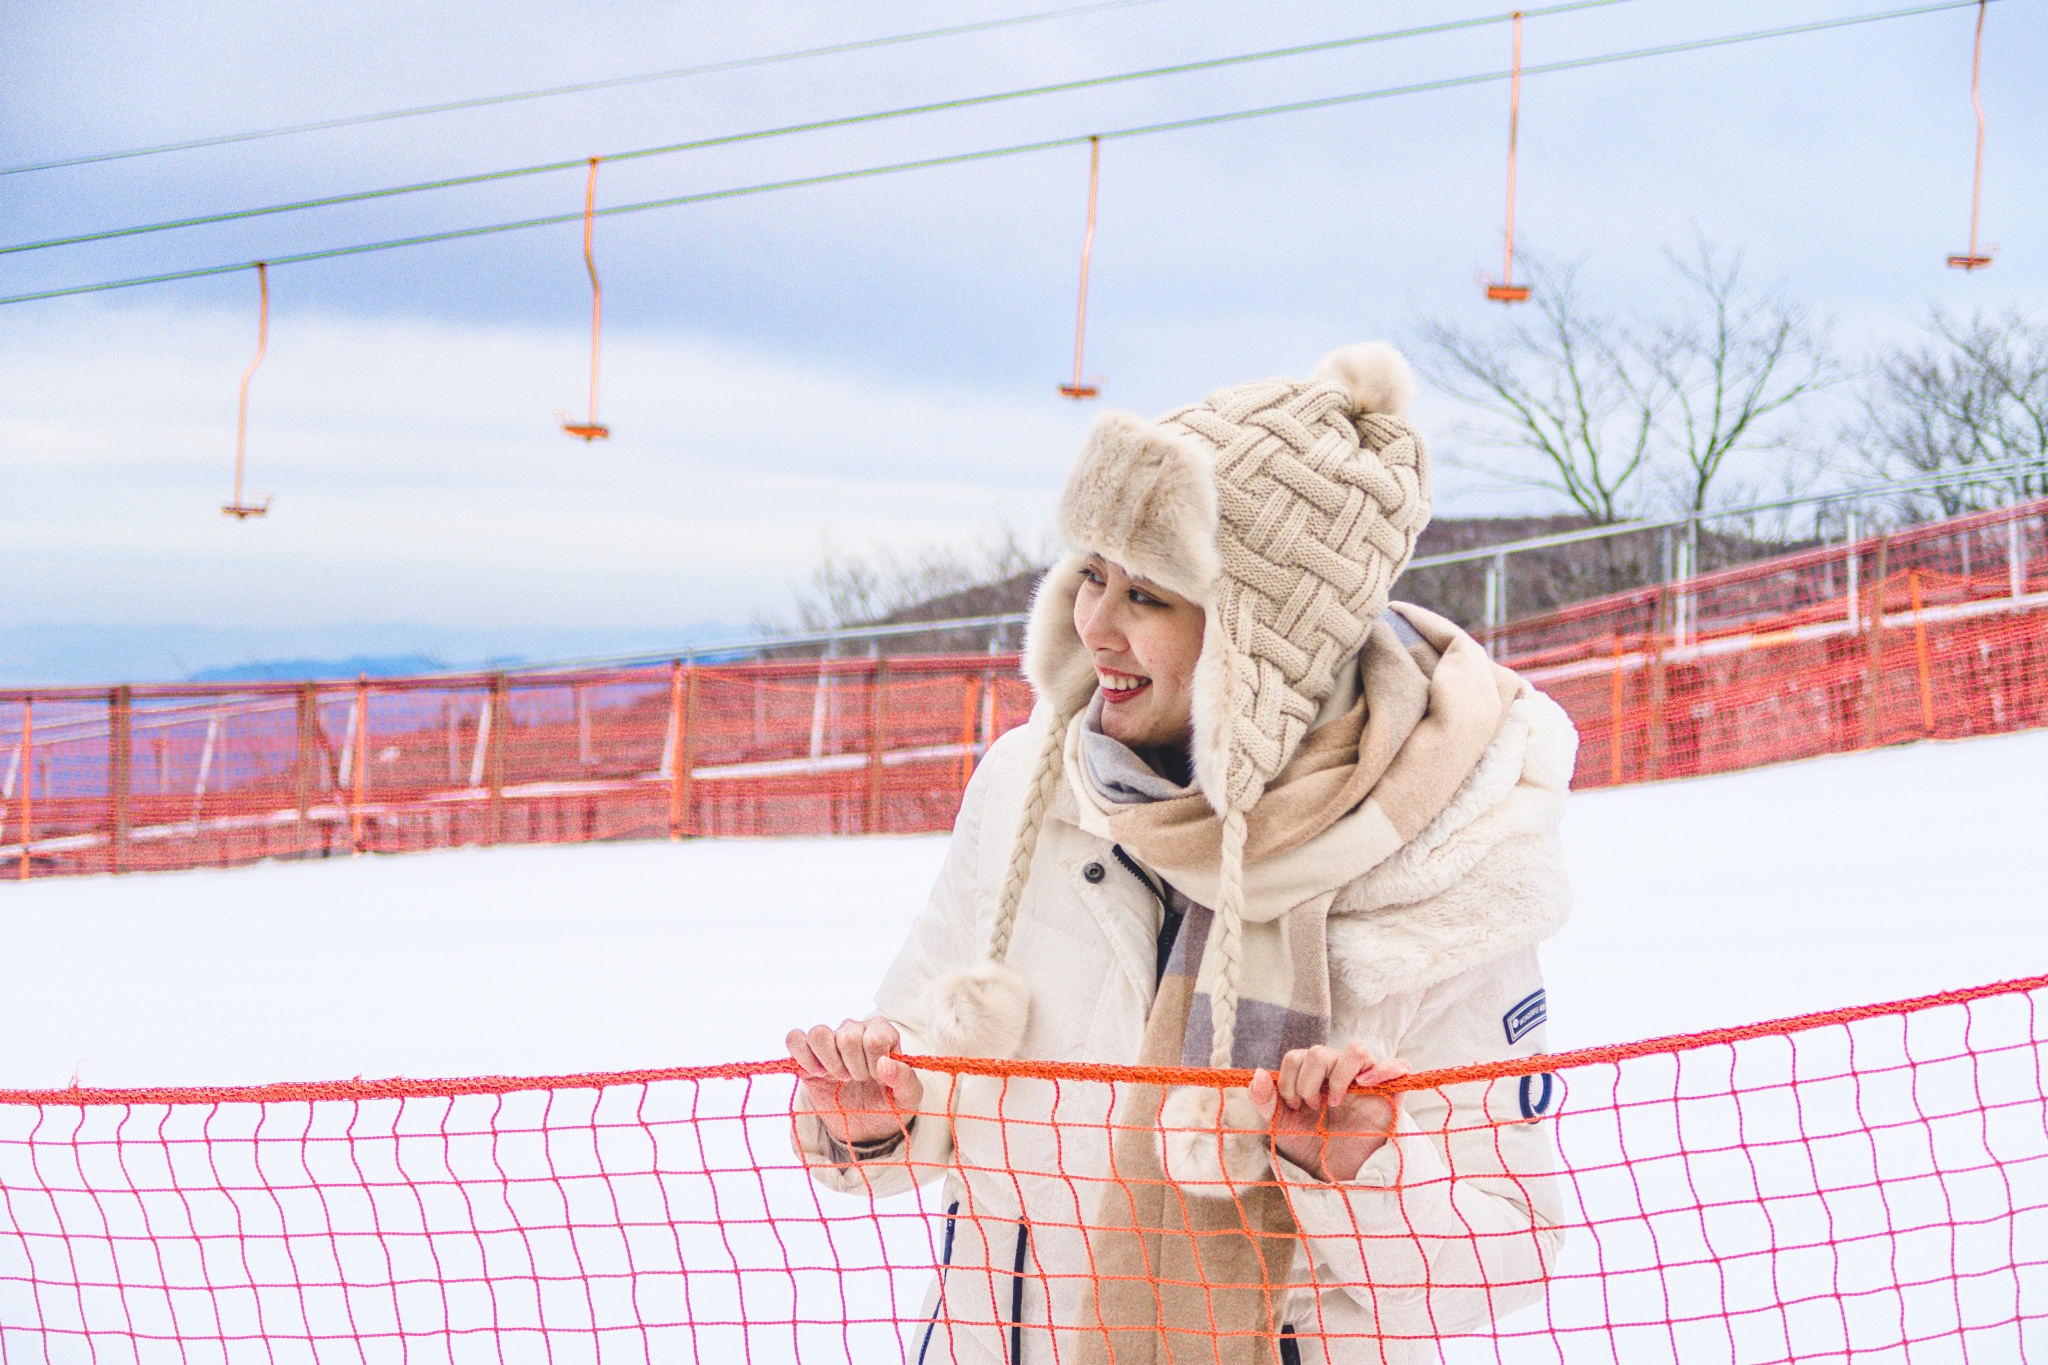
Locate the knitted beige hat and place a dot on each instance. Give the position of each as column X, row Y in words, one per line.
column 1285, row 509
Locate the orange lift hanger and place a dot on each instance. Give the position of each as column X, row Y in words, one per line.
column 1972, row 259
column 591, row 430
column 239, row 510
column 1507, row 291
column 1079, row 390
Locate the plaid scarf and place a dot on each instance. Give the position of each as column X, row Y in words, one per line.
column 1184, row 1274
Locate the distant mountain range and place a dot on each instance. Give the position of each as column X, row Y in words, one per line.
column 78, row 654
column 355, row 665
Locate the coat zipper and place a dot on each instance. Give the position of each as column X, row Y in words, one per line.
column 1017, row 1294
column 945, row 1260
column 1169, row 918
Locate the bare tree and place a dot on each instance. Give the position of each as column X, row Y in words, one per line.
column 1569, row 387
column 1733, row 369
column 1625, row 413
column 856, row 588
column 1975, row 392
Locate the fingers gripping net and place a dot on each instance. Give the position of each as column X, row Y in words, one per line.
column 1863, row 1185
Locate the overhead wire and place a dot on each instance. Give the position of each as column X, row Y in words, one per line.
column 578, row 88
column 1015, row 149
column 786, row 130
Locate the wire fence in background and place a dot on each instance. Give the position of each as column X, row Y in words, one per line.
column 1940, row 630
column 1862, row 1185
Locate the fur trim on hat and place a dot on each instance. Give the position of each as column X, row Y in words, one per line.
column 1145, row 497
column 979, row 1011
column 1056, row 663
column 1210, row 708
column 1372, row 374
column 1213, row 1143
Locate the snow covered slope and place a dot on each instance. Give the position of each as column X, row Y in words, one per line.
column 1706, row 902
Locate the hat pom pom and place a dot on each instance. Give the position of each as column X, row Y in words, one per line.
column 1212, row 1144
column 1373, row 375
column 978, row 1012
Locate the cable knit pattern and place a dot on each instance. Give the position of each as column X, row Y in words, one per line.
column 1318, row 510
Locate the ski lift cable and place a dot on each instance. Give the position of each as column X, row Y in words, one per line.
column 239, row 510
column 993, row 153
column 577, row 88
column 1973, row 259
column 785, row 130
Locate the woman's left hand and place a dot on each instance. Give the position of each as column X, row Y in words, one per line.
column 1319, row 1123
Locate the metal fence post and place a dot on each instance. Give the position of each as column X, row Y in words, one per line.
column 359, row 762
column 686, row 758
column 1653, row 758
column 1855, row 563
column 120, row 753
column 27, row 750
column 970, row 705
column 1496, row 607
column 1689, row 603
column 582, row 724
column 308, row 746
column 495, row 760
column 1920, row 656
column 678, row 762
column 878, row 715
column 1873, row 651
column 2015, row 560
column 1614, row 718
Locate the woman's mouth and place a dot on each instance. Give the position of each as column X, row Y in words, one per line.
column 1117, row 687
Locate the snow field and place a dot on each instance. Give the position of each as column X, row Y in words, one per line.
column 1714, row 901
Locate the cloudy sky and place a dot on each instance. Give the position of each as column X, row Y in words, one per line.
column 872, row 360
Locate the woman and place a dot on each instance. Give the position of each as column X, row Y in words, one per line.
column 1258, row 820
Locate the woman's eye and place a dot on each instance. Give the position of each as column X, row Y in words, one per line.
column 1145, row 599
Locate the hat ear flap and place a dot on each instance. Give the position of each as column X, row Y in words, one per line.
column 1056, row 662
column 1210, row 747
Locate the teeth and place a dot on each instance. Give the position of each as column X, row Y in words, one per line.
column 1120, row 682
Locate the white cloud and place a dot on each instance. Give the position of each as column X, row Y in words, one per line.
column 418, row 473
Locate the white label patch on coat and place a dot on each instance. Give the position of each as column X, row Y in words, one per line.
column 1528, row 1014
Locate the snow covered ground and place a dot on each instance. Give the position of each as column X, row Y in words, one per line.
column 1713, row 901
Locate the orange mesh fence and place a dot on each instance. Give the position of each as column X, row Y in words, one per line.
column 1867, row 1184
column 1938, row 631
column 190, row 775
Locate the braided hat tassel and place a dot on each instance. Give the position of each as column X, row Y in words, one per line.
column 982, row 1011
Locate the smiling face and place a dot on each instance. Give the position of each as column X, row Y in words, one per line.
column 1144, row 641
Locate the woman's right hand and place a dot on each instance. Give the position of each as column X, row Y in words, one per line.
column 855, row 1087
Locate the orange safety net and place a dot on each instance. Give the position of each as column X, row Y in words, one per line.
column 186, row 775
column 1940, row 631
column 1862, row 1184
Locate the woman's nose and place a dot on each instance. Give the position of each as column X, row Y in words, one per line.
column 1099, row 625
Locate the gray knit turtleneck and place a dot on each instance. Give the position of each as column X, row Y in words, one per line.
column 1115, row 770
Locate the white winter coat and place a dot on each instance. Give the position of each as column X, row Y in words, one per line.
column 1433, row 959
